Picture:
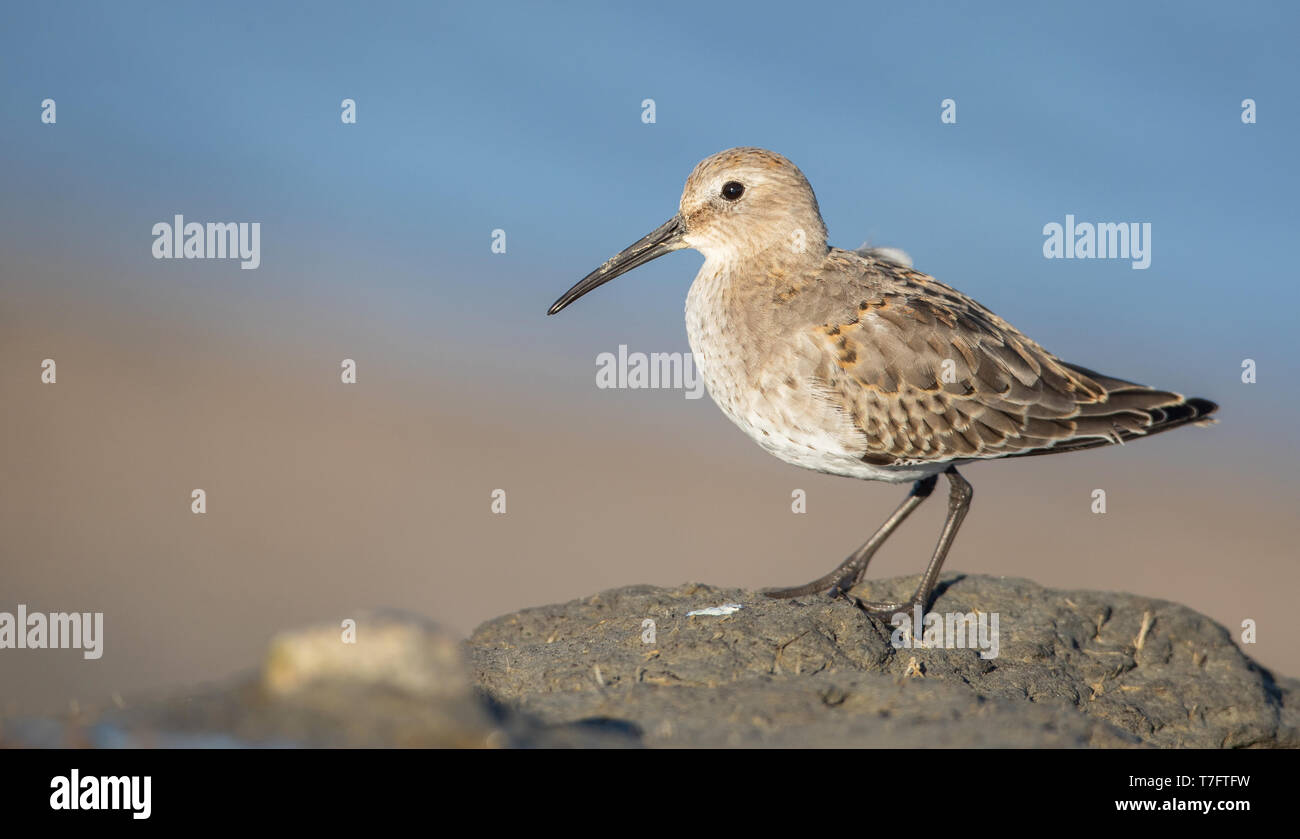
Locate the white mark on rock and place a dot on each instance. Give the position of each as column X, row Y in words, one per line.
column 717, row 611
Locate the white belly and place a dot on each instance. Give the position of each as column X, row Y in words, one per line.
column 765, row 388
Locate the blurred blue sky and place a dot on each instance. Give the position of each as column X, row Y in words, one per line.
column 527, row 118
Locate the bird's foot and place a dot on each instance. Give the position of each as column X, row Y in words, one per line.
column 835, row 584
column 886, row 610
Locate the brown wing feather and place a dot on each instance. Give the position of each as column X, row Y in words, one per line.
column 927, row 374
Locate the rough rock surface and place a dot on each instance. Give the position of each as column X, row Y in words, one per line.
column 1074, row 668
column 630, row 667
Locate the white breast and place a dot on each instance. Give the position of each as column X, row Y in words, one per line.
column 764, row 385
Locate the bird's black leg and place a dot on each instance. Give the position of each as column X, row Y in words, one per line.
column 850, row 572
column 960, row 493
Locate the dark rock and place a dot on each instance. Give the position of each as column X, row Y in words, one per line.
column 1073, row 669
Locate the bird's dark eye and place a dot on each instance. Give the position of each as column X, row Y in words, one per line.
column 732, row 190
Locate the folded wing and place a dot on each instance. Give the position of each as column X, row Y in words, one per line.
column 926, row 374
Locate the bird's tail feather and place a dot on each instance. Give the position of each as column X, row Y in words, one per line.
column 1130, row 411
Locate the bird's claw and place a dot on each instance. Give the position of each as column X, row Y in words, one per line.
column 887, row 610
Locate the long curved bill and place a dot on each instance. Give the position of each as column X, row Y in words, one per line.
column 664, row 239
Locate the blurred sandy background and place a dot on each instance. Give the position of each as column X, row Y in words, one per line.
column 325, row 499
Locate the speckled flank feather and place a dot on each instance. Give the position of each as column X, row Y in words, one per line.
column 926, row 374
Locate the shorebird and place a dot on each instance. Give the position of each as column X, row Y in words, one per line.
column 852, row 363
